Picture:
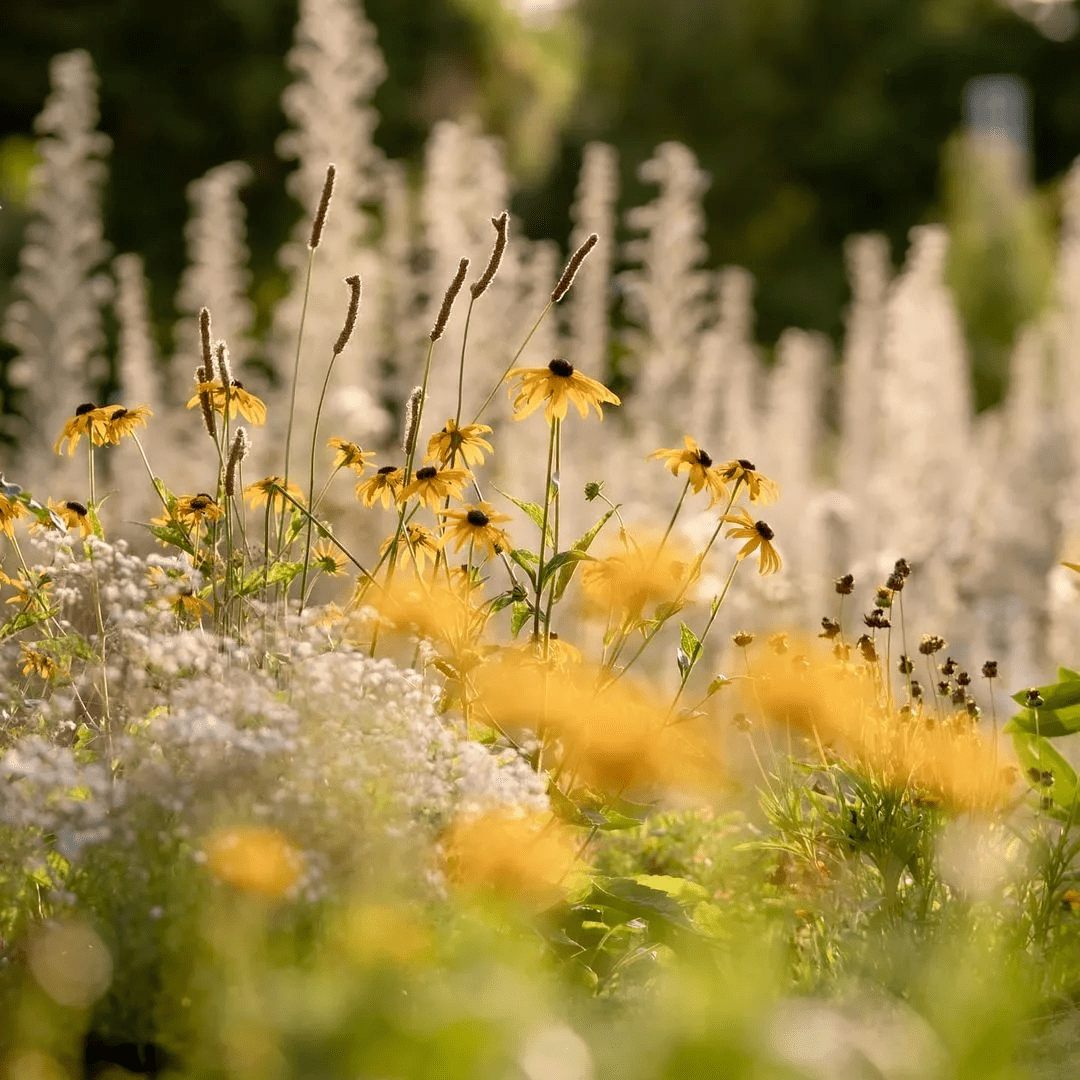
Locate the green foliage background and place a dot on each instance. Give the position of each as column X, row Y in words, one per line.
column 815, row 118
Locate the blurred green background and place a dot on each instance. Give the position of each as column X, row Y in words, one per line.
column 816, row 119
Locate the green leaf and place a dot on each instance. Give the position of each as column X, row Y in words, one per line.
column 504, row 599
column 689, row 648
column 534, row 510
column 717, row 684
column 1056, row 696
column 520, row 613
column 582, row 544
column 1036, row 753
column 639, row 901
column 1067, row 674
column 1050, row 723
column 561, row 559
column 527, row 560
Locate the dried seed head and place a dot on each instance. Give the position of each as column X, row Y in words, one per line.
column 439, row 328
column 902, row 568
column 877, row 619
column 916, row 689
column 207, row 345
column 931, row 643
column 883, row 596
column 894, row 581
column 959, row 697
column 829, row 628
column 905, row 664
column 203, row 374
column 844, row 585
column 990, row 670
column 479, row 287
column 223, row 364
column 350, row 319
column 741, row 721
column 241, row 446
column 1034, row 699
column 593, row 489
column 743, row 638
column 572, row 267
column 324, row 207
column 963, row 678
column 949, row 667
column 865, row 645
column 973, row 709
column 778, row 643
column 412, row 419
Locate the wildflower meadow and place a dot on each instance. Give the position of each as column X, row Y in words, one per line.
column 491, row 665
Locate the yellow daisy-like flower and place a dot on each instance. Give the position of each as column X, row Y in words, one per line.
column 760, row 488
column 193, row 509
column 383, row 487
column 327, row 558
column 250, row 407
column 560, row 386
column 33, row 660
column 263, row 491
column 73, row 514
column 466, row 442
column 758, row 537
column 89, row 420
column 350, row 456
column 432, row 485
column 10, row 511
column 475, row 524
column 124, row 421
column 187, row 602
column 422, row 546
column 702, row 473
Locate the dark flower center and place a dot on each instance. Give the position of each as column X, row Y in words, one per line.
column 562, row 368
column 704, row 459
column 201, row 501
column 386, row 470
column 477, row 518
column 119, row 413
column 763, row 530
column 236, row 384
column 428, row 472
column 76, row 508
column 87, row 406
column 748, row 465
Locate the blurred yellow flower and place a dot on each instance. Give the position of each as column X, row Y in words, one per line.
column 254, row 859
column 10, row 511
column 250, row 407
column 266, row 491
column 421, row 545
column 122, row 421
column 641, row 574
column 560, row 386
column 349, row 455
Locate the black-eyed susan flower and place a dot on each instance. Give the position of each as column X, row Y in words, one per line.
column 432, row 485
column 123, row 421
column 758, row 537
column 475, row 524
column 250, row 407
column 349, row 455
column 560, row 386
column 185, row 601
column 327, row 558
column 10, row 511
column 269, row 491
column 760, row 488
column 699, row 465
column 383, row 487
column 73, row 514
column 90, row 420
column 194, row 509
column 467, row 442
column 422, row 545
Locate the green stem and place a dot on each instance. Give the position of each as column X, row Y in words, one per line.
column 543, row 528
column 509, row 367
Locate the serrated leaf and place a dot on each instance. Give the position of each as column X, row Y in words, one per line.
column 689, row 643
column 528, row 561
column 635, row 900
column 533, row 510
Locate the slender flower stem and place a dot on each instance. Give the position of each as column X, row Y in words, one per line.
column 509, row 367
column 461, row 364
column 674, row 516
column 544, row 526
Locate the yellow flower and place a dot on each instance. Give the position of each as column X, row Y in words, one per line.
column 761, row 488
column 350, row 456
column 757, row 535
column 254, row 859
column 702, row 473
column 433, row 485
column 123, row 422
column 474, row 524
column 192, row 509
column 327, row 558
column 382, row 487
column 10, row 511
column 187, row 602
column 89, row 420
column 560, row 386
column 432, row 609
column 35, row 661
column 250, row 407
column 73, row 514
column 466, row 442
column 422, row 545
column 637, row 576
column 264, row 491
